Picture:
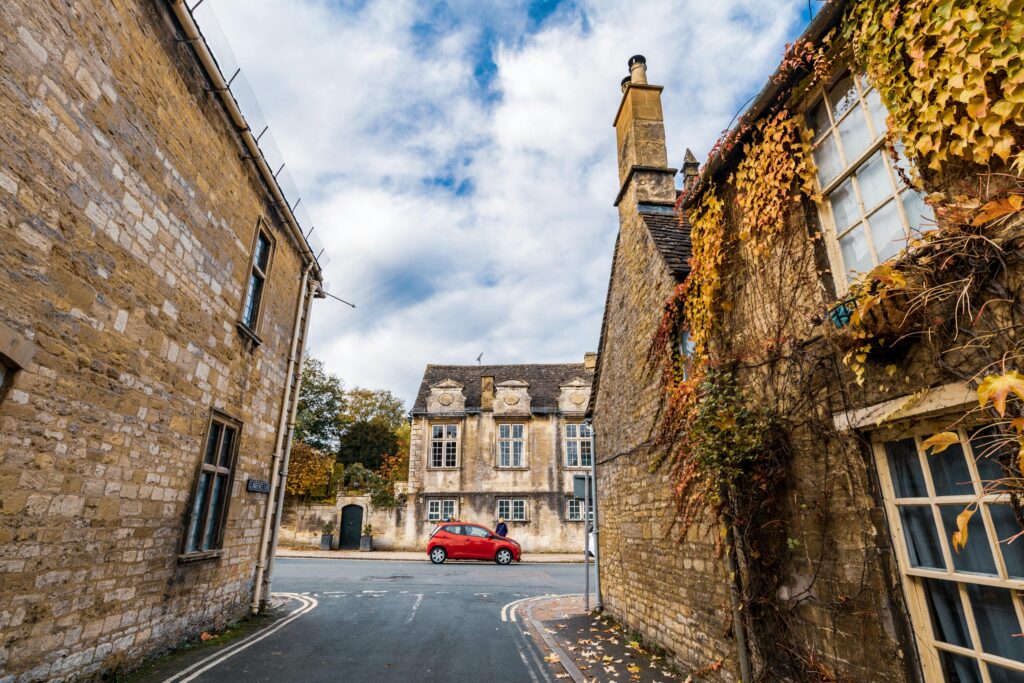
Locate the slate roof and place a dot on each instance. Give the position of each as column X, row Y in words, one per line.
column 672, row 238
column 544, row 379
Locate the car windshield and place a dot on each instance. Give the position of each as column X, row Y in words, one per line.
column 434, row 531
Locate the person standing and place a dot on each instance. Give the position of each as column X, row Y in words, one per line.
column 502, row 529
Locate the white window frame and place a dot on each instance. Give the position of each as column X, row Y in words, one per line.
column 929, row 647
column 444, row 450
column 439, row 509
column 574, row 510
column 511, row 440
column 841, row 274
column 576, row 442
column 509, row 512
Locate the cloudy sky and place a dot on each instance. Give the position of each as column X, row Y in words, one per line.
column 458, row 158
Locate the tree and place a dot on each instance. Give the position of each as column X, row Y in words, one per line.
column 367, row 443
column 322, row 401
column 308, row 469
column 373, row 405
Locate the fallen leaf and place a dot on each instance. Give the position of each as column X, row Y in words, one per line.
column 632, row 668
column 206, row 636
column 940, row 442
column 551, row 658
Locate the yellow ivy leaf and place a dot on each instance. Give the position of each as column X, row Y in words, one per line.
column 997, row 387
column 997, row 208
column 959, row 537
column 940, row 442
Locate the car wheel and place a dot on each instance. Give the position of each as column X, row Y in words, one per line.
column 438, row 555
column 503, row 556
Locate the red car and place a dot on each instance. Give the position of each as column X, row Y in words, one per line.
column 463, row 541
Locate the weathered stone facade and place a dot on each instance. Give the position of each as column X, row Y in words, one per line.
column 129, row 216
column 475, row 401
column 846, row 600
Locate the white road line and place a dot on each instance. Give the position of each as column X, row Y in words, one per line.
column 529, row 669
column 308, row 605
column 415, row 606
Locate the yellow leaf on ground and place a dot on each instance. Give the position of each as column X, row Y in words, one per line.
column 551, row 658
column 998, row 387
column 632, row 668
column 940, row 442
column 960, row 535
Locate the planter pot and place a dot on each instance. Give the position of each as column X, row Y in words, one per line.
column 366, row 543
column 326, row 541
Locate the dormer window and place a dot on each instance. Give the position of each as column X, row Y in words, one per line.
column 868, row 212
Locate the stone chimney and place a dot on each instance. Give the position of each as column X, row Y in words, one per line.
column 590, row 360
column 644, row 175
column 487, row 393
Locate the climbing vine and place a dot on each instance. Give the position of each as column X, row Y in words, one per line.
column 950, row 73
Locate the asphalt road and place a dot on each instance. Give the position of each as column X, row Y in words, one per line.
column 401, row 621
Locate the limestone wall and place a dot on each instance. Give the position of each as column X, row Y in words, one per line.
column 128, row 217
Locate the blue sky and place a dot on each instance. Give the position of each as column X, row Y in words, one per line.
column 458, row 158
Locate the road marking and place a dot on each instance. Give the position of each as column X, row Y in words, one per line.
column 508, row 612
column 419, row 599
column 307, row 605
column 529, row 669
column 374, row 592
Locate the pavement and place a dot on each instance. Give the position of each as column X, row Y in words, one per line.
column 373, row 620
column 412, row 555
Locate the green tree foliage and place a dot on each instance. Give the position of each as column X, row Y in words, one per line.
column 367, row 443
column 373, row 405
column 322, row 402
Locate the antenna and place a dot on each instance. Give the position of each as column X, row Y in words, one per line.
column 478, row 358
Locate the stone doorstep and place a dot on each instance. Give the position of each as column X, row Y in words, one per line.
column 412, row 556
column 591, row 649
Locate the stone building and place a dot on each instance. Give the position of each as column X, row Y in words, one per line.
column 840, row 551
column 154, row 292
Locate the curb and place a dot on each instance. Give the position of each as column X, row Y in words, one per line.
column 563, row 658
column 369, row 556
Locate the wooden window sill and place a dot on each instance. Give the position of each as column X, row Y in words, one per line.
column 252, row 340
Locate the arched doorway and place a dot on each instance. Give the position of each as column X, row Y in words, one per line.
column 351, row 526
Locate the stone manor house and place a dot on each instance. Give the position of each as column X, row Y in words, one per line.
column 839, row 555
column 155, row 286
column 487, row 441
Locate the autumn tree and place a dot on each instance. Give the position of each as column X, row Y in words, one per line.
column 322, row 401
column 308, row 469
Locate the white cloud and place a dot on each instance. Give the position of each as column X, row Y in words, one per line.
column 376, row 106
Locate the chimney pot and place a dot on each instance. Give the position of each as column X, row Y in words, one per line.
column 625, row 82
column 638, row 69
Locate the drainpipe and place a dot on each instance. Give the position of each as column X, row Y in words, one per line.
column 599, row 605
column 268, row 579
column 282, row 427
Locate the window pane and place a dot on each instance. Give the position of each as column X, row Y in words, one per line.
column 988, row 444
column 225, row 449
column 845, row 211
column 517, row 454
column 570, row 431
column 887, row 231
column 1006, row 528
column 873, row 178
column 437, row 431
column 571, row 453
column 448, row 508
column 585, row 430
column 905, row 469
column 842, row 96
column 452, row 431
column 950, row 475
column 517, row 431
column 826, row 159
column 211, row 444
column 854, row 247
column 585, row 454
column 976, row 556
column 959, row 669
column 949, row 622
column 997, row 621
column 503, row 431
column 262, row 252
column 922, row 537
column 198, row 506
column 919, row 214
column 998, row 674
column 853, row 130
column 449, row 456
column 210, row 537
column 877, row 109
column 819, row 121
column 252, row 298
